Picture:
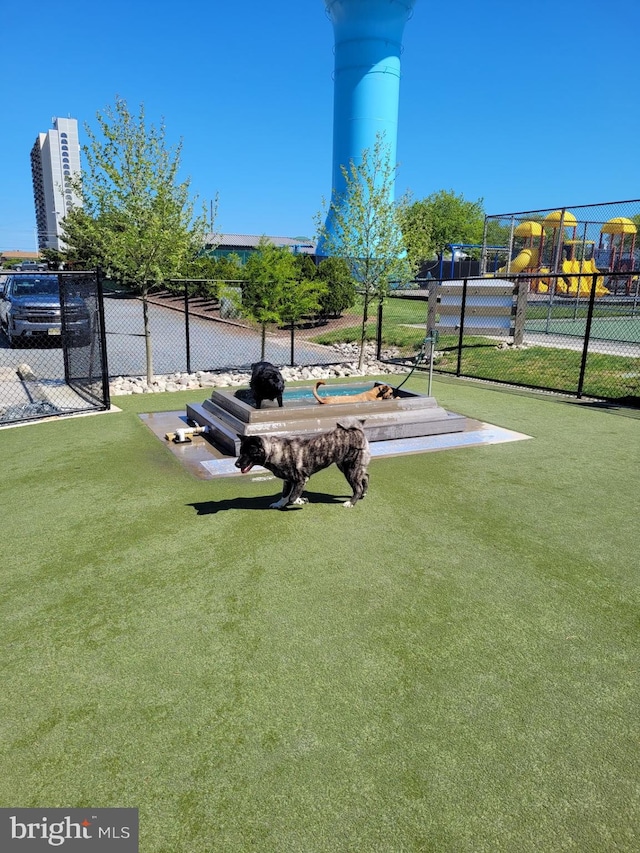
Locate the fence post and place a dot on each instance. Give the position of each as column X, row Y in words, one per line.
column 106, row 392
column 462, row 312
column 186, row 325
column 521, row 288
column 63, row 330
column 587, row 335
column 379, row 331
column 432, row 309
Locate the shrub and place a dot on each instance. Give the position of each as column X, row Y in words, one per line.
column 341, row 287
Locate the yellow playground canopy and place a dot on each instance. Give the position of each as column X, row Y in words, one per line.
column 553, row 220
column 619, row 225
column 528, row 228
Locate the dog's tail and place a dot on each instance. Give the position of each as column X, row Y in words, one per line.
column 314, row 391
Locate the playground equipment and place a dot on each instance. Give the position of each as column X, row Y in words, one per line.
column 572, row 257
column 528, row 257
column 558, row 245
column 617, row 257
column 368, row 44
column 462, row 264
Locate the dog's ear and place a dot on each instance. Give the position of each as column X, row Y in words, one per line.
column 350, row 423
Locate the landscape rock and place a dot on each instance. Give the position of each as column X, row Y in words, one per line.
column 346, row 365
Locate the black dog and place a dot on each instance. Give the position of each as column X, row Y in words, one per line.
column 266, row 383
column 295, row 458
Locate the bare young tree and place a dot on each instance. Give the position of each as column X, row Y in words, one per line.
column 137, row 219
column 363, row 227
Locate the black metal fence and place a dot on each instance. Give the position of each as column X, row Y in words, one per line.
column 52, row 352
column 190, row 332
column 574, row 334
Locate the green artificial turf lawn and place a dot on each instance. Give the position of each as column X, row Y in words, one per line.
column 450, row 666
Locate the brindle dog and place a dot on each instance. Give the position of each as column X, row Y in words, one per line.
column 295, row 458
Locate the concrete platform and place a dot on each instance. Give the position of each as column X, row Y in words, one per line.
column 207, row 462
column 230, row 414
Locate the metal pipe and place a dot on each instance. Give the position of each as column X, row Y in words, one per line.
column 183, row 435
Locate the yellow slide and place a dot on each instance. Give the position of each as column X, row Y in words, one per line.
column 526, row 259
column 578, row 276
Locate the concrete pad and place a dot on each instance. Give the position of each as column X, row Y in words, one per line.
column 231, row 414
column 207, row 462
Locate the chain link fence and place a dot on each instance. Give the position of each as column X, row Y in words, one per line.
column 550, row 300
column 52, row 352
column 192, row 332
column 582, row 240
column 566, row 333
column 572, row 332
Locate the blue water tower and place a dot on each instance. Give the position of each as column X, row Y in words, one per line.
column 368, row 44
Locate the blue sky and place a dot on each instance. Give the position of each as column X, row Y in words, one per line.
column 524, row 105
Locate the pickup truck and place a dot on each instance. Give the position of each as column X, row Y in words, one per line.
column 32, row 266
column 30, row 311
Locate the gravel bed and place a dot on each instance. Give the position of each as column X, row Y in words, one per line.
column 344, row 367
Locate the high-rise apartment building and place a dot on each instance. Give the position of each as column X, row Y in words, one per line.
column 55, row 158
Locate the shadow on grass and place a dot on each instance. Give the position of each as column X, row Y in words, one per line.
column 262, row 502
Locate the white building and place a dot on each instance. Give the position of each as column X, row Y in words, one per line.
column 55, row 158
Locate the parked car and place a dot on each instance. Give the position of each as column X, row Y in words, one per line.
column 30, row 310
column 32, row 266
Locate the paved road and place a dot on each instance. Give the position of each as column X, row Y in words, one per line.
column 630, row 350
column 213, row 345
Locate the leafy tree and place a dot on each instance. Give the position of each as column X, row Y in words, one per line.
column 497, row 234
column 340, row 292
column 417, row 233
column 441, row 219
column 53, row 257
column 85, row 236
column 266, row 273
column 366, row 231
column 229, row 268
column 275, row 290
column 209, row 273
column 299, row 299
column 306, row 267
column 138, row 219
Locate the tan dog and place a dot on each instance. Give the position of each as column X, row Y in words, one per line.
column 379, row 392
